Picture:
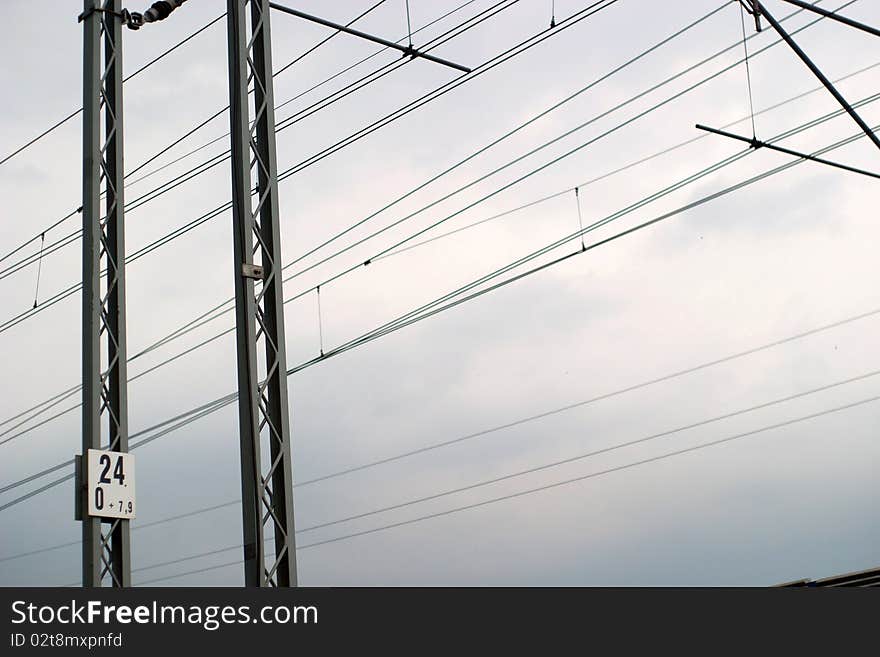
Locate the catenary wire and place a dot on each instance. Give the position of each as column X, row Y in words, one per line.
column 211, row 118
column 183, row 329
column 431, row 309
column 230, row 398
column 72, row 115
column 217, row 211
column 549, row 486
column 602, row 222
column 210, row 163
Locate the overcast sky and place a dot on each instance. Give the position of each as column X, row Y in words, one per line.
column 783, row 256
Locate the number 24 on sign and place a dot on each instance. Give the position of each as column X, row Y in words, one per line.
column 111, row 484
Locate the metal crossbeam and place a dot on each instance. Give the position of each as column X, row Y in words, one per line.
column 106, row 546
column 406, row 50
column 267, row 488
column 757, row 143
column 762, row 10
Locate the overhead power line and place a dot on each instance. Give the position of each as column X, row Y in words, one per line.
column 539, row 416
column 222, row 157
column 217, row 211
column 76, row 113
column 221, row 209
column 67, row 239
column 542, row 488
column 437, row 306
column 61, row 396
column 706, row 171
column 525, row 45
column 57, row 399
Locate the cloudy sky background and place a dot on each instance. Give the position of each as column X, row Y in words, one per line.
column 783, row 256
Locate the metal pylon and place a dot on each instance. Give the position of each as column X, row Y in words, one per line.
column 266, row 484
column 106, row 546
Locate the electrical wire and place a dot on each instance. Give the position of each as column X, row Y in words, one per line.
column 783, row 19
column 431, row 309
column 275, row 74
column 478, row 434
column 537, row 489
column 217, row 211
column 70, row 116
column 381, row 254
column 222, row 157
column 214, row 116
column 614, row 216
column 307, row 91
column 199, row 169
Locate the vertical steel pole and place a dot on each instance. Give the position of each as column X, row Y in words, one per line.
column 267, row 488
column 106, row 547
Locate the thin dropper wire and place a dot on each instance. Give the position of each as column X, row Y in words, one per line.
column 408, row 25
column 742, row 17
column 39, row 268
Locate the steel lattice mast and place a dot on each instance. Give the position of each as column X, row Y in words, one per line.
column 106, row 545
column 266, row 472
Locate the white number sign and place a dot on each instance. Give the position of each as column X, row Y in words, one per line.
column 110, row 477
